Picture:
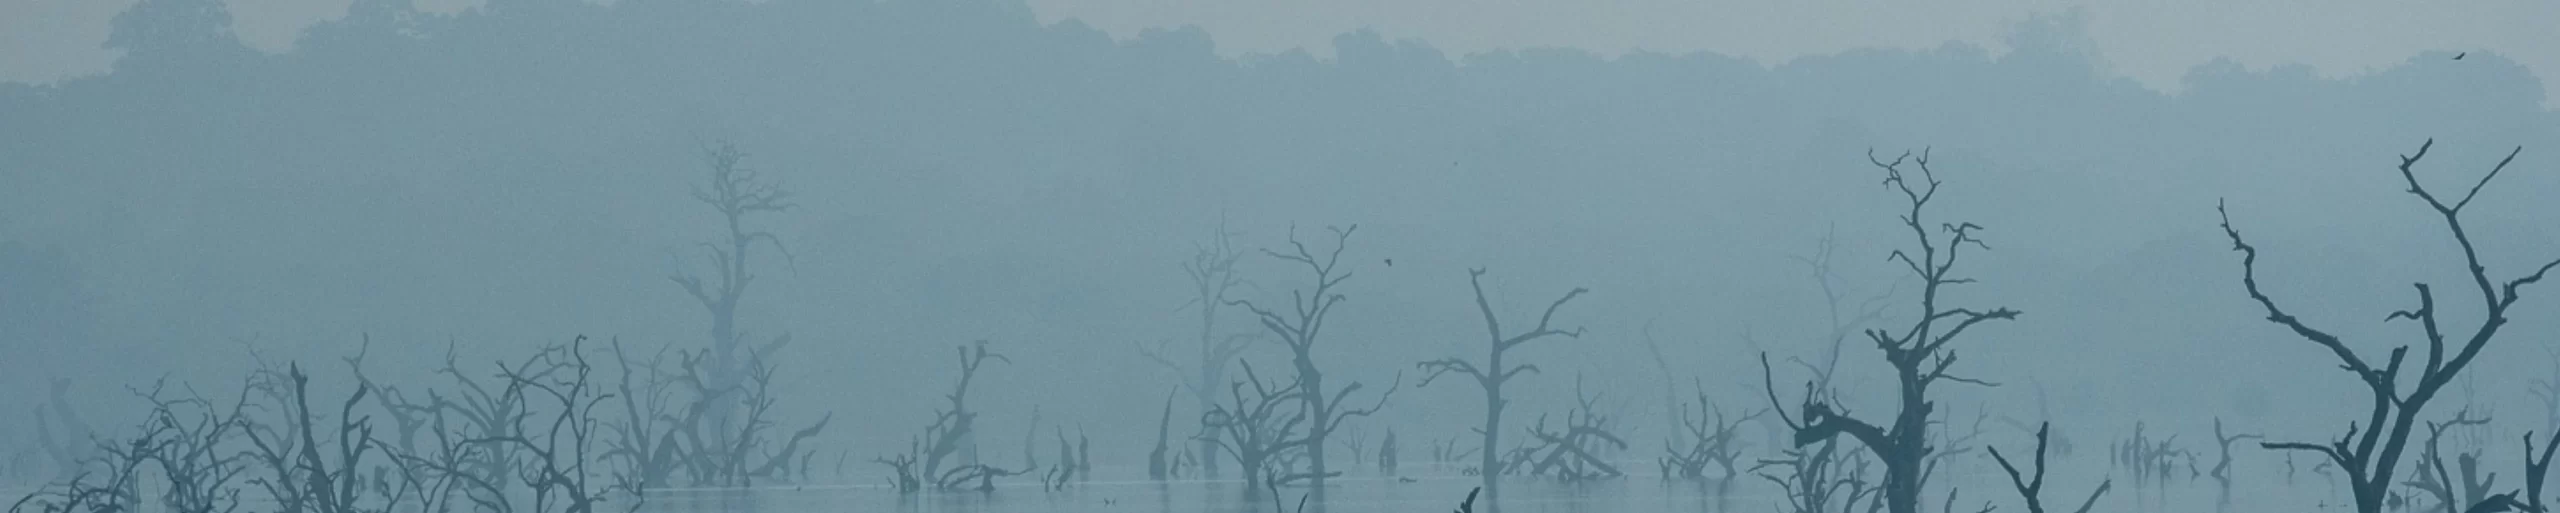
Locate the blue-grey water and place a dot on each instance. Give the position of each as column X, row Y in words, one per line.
column 1433, row 489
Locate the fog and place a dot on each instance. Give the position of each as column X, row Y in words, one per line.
column 489, row 182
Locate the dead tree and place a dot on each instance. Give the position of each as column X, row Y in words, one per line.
column 952, row 429
column 556, row 468
column 1160, row 460
column 300, row 477
column 1357, row 442
column 1495, row 372
column 2222, row 468
column 736, row 192
column 642, row 446
column 747, row 456
column 1445, row 450
column 1948, row 444
column 2453, row 492
column 434, row 478
column 1823, row 479
column 2044, row 416
column 2370, row 451
column 1844, row 323
column 1213, row 273
column 1387, row 454
column 120, row 464
column 1706, row 437
column 490, row 410
column 2546, row 389
column 2537, row 466
column 1258, row 426
column 408, row 417
column 1579, row 451
column 1918, row 354
column 1300, row 328
column 187, row 439
column 2033, row 489
column 69, row 447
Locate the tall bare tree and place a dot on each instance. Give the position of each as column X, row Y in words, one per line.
column 1300, row 328
column 1495, row 372
column 2370, row 451
column 1212, row 269
column 736, row 192
column 1918, row 354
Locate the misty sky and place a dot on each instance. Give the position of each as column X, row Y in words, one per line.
column 2152, row 41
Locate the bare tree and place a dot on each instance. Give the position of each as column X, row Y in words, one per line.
column 1578, row 452
column 641, row 445
column 304, row 478
column 67, row 447
column 2033, row 489
column 2546, row 389
column 1918, row 354
column 1844, row 319
column 1495, row 372
column 2453, row 492
column 2222, row 468
column 1213, row 273
column 556, row 469
column 1161, row 460
column 1257, row 427
column 2370, row 452
column 736, row 192
column 1823, row 478
column 1707, row 436
column 1300, row 328
column 953, row 428
column 2537, row 467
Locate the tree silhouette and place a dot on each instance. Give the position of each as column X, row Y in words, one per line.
column 2369, row 452
column 2032, row 490
column 1918, row 354
column 735, row 192
column 1301, row 328
column 1212, row 269
column 1495, row 373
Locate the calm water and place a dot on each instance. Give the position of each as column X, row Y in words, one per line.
column 1436, row 488
column 1432, row 490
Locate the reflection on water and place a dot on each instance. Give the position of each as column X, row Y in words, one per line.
column 1428, row 490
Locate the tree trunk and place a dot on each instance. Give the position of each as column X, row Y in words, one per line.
column 1321, row 414
column 1490, row 459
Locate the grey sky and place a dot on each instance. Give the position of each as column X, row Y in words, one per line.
column 2152, row 41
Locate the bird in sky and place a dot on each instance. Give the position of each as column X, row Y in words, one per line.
column 2458, row 56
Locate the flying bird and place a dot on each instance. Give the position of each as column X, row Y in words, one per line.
column 1391, row 262
column 2458, row 56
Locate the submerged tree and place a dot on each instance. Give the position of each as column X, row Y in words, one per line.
column 736, row 192
column 2453, row 492
column 2370, row 451
column 953, row 429
column 2032, row 490
column 1300, row 328
column 1918, row 354
column 1256, row 427
column 2222, row 468
column 1579, row 451
column 1495, row 372
column 1707, row 435
column 1212, row 270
